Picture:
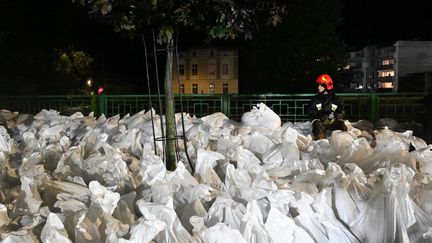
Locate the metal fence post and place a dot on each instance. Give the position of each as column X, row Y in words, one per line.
column 94, row 104
column 373, row 107
column 226, row 99
column 102, row 105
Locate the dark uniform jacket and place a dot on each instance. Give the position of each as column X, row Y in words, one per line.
column 326, row 107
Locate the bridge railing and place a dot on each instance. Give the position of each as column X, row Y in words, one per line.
column 290, row 107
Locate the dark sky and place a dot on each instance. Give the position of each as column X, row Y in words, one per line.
column 368, row 22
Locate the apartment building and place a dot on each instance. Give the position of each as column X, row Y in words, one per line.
column 206, row 71
column 405, row 66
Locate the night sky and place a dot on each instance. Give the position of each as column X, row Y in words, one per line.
column 370, row 22
column 52, row 24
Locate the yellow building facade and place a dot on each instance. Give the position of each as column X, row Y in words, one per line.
column 206, row 71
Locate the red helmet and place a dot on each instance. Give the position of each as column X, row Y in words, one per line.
column 326, row 80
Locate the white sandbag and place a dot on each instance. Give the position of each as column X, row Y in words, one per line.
column 281, row 229
column 108, row 166
column 73, row 190
column 314, row 176
column 227, row 145
column 103, row 197
column 133, row 121
column 19, row 236
column 54, row 231
column 336, row 231
column 238, row 183
column 261, row 116
column 345, row 206
column 185, row 125
column 357, row 187
column 252, row 225
column 220, row 233
column 4, row 219
column 358, row 150
column 242, row 185
column 281, row 155
column 247, row 160
column 194, row 208
column 257, row 143
column 386, row 137
column 145, row 231
column 6, row 115
column 198, row 136
column 6, row 142
column 393, row 153
column 306, row 218
column 28, row 201
column 424, row 159
column 227, row 211
column 206, row 160
column 98, row 224
column 173, row 231
column 339, row 141
column 304, row 128
column 322, row 151
column 47, row 115
column 393, row 211
column 129, row 142
column 215, row 120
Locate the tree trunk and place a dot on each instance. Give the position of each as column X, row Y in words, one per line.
column 169, row 110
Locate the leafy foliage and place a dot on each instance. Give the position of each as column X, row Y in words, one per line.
column 225, row 19
column 74, row 67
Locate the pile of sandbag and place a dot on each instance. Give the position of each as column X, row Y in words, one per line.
column 101, row 179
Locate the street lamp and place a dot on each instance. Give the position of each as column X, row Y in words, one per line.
column 89, row 82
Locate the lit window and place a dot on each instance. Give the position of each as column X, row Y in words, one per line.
column 386, row 62
column 195, row 88
column 181, row 89
column 225, row 88
column 194, row 69
column 211, row 69
column 181, row 69
column 385, row 85
column 225, row 69
column 211, row 88
column 385, row 73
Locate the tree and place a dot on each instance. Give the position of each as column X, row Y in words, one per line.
column 227, row 19
column 73, row 67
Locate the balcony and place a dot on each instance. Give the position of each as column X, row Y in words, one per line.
column 385, row 67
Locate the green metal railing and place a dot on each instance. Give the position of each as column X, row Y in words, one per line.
column 290, row 107
column 64, row 104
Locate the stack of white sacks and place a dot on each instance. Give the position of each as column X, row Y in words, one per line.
column 86, row 179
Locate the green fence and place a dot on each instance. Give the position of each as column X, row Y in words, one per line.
column 290, row 107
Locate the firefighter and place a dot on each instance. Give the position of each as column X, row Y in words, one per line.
column 326, row 110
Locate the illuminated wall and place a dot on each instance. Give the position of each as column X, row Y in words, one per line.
column 206, row 71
